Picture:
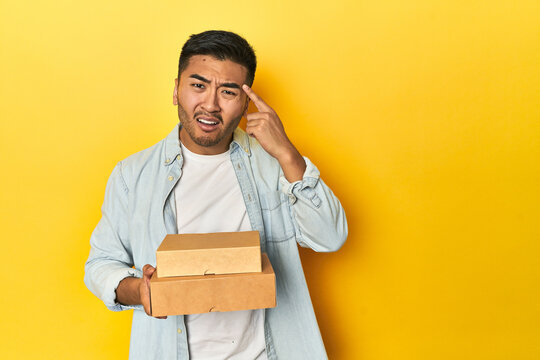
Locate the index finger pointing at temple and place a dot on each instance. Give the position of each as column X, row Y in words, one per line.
column 259, row 103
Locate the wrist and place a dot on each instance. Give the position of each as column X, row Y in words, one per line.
column 288, row 155
column 292, row 164
column 128, row 291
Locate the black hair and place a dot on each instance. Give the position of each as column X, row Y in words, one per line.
column 222, row 45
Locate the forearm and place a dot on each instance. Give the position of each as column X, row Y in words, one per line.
column 292, row 164
column 103, row 275
column 320, row 219
column 128, row 291
column 317, row 214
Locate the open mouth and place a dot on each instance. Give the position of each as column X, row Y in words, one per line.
column 207, row 122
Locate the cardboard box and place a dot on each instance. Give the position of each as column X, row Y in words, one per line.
column 213, row 253
column 183, row 295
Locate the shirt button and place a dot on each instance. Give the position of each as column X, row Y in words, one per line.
column 167, row 161
column 177, row 157
column 238, row 166
column 179, row 330
column 171, row 178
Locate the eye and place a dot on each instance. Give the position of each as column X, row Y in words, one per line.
column 229, row 93
column 198, row 85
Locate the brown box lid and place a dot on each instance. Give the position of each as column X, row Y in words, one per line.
column 211, row 253
column 183, row 295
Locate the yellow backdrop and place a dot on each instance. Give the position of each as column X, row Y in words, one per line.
column 423, row 116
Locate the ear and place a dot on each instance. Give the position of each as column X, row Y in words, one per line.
column 175, row 92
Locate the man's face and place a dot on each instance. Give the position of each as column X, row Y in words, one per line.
column 210, row 102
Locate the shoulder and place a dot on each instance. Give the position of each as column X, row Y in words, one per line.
column 143, row 157
column 136, row 163
column 149, row 162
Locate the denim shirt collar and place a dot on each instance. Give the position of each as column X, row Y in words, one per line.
column 172, row 144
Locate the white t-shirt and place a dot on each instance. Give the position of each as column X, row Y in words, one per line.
column 209, row 199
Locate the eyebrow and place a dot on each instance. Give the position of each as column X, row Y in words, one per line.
column 205, row 80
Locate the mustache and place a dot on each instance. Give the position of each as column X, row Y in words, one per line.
column 202, row 113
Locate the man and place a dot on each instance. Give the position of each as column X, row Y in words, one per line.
column 208, row 175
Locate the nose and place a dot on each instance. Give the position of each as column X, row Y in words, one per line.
column 210, row 102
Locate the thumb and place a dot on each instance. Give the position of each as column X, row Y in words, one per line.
column 148, row 270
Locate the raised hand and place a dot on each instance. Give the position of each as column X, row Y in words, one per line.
column 267, row 128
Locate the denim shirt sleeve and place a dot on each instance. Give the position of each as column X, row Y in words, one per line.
column 110, row 258
column 318, row 217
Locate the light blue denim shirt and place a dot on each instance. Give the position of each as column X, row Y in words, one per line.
column 139, row 210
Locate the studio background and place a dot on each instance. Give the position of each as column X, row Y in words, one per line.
column 422, row 116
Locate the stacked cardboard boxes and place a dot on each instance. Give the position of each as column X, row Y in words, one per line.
column 199, row 273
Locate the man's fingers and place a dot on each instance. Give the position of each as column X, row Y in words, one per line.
column 148, row 270
column 259, row 103
column 258, row 116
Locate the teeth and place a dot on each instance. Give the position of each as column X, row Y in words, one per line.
column 207, row 122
